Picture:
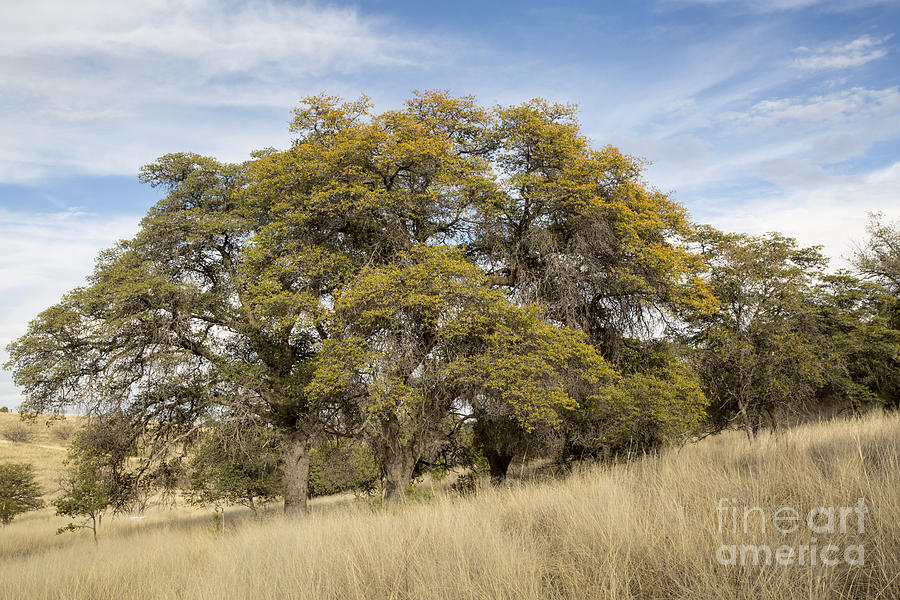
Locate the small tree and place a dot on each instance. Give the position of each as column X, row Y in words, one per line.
column 19, row 492
column 84, row 496
column 97, row 478
column 236, row 463
column 18, row 433
column 63, row 431
column 106, row 445
column 342, row 465
column 4, row 409
column 762, row 353
column 879, row 259
column 859, row 319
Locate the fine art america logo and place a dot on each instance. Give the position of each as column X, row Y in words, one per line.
column 821, row 521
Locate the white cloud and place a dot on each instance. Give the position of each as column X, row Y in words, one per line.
column 854, row 54
column 215, row 37
column 791, row 142
column 795, row 142
column 780, row 164
column 832, row 213
column 42, row 256
column 854, row 104
column 103, row 87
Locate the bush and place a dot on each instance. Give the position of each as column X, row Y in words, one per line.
column 466, row 484
column 85, row 492
column 342, row 466
column 63, row 431
column 19, row 492
column 4, row 409
column 235, row 463
column 18, row 433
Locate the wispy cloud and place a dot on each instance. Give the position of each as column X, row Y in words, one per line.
column 758, row 5
column 854, row 54
column 781, row 163
column 215, row 38
column 95, row 86
column 772, row 6
column 844, row 106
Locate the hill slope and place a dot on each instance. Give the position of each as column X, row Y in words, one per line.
column 651, row 528
column 44, row 445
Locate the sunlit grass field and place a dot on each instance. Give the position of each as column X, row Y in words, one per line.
column 645, row 529
column 45, row 448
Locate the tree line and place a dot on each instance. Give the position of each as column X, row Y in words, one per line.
column 445, row 283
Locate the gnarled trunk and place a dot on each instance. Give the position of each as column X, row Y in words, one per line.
column 498, row 461
column 295, row 455
column 500, row 438
column 398, row 470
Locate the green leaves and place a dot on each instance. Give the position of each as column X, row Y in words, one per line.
column 395, row 330
column 236, row 463
column 787, row 337
column 527, row 369
column 392, row 274
column 19, row 492
column 85, row 494
column 880, row 258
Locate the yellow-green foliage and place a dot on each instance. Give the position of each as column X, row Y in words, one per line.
column 383, row 265
column 645, row 529
column 533, row 367
column 647, row 410
column 19, row 492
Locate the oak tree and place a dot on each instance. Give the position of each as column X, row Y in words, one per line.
column 380, row 277
column 762, row 352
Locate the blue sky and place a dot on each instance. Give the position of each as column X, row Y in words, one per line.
column 757, row 115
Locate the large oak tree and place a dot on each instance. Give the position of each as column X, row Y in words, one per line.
column 387, row 276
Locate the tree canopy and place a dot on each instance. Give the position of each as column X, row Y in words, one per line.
column 19, row 491
column 392, row 276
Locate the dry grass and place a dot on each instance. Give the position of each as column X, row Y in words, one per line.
column 647, row 529
column 44, row 447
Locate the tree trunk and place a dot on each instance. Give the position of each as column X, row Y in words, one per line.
column 397, row 475
column 499, row 438
column 745, row 421
column 295, row 453
column 498, row 460
column 772, row 422
column 749, row 431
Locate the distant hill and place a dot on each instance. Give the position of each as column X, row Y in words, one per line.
column 41, row 442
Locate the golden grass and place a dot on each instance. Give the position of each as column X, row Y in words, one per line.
column 646, row 529
column 44, row 449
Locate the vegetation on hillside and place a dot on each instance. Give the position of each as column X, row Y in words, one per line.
column 645, row 528
column 443, row 285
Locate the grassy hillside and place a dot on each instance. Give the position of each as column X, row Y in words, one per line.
column 45, row 446
column 647, row 529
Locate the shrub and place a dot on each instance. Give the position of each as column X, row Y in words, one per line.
column 235, row 463
column 465, row 484
column 4, row 409
column 85, row 492
column 342, row 466
column 63, row 431
column 18, row 433
column 19, row 492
